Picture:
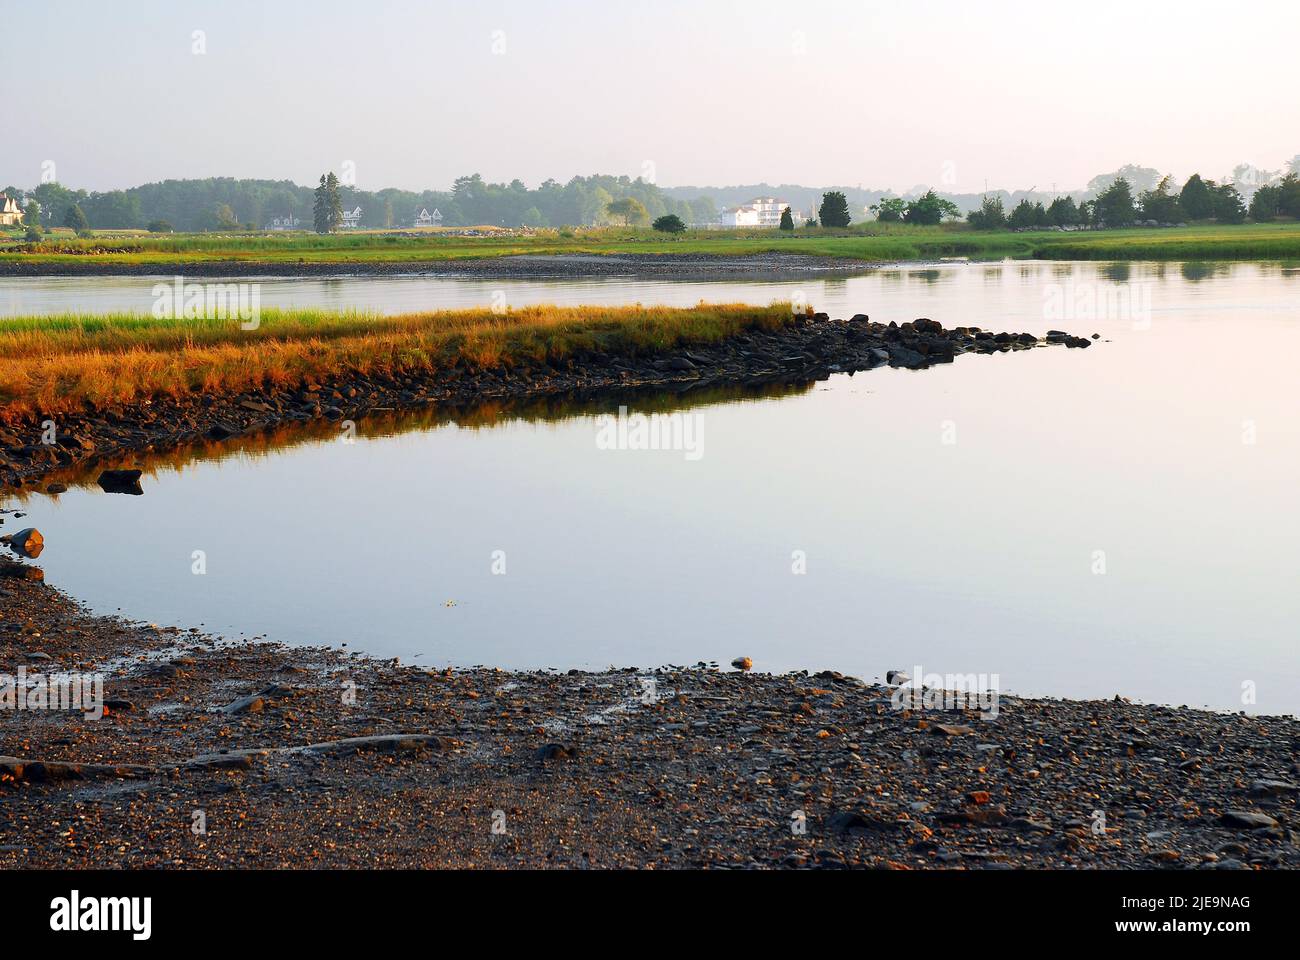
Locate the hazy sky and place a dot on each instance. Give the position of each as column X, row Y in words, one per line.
column 818, row 92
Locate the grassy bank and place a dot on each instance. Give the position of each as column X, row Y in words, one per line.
column 869, row 243
column 61, row 363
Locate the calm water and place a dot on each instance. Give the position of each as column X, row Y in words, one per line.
column 1081, row 523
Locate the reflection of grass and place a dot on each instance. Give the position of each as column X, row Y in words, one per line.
column 61, row 363
column 871, row 242
column 482, row 416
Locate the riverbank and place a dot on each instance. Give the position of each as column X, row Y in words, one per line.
column 603, row 252
column 221, row 754
column 699, row 267
column 122, row 385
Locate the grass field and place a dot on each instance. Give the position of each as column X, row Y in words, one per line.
column 62, row 363
column 872, row 243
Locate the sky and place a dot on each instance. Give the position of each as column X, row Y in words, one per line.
column 956, row 95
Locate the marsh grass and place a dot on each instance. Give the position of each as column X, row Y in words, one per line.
column 868, row 242
column 62, row 363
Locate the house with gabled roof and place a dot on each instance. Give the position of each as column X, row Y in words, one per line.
column 10, row 213
column 426, row 219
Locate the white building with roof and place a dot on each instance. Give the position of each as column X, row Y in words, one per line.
column 426, row 219
column 759, row 212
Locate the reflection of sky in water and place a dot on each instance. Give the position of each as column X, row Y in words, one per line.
column 974, row 557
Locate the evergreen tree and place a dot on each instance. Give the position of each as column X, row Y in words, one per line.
column 834, row 211
column 1228, row 205
column 320, row 208
column 327, row 205
column 1063, row 212
column 76, row 219
column 1114, row 205
column 1161, row 205
column 1195, row 198
column 990, row 216
column 787, row 219
column 335, row 196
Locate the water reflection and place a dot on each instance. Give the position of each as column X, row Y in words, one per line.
column 950, row 517
column 125, row 471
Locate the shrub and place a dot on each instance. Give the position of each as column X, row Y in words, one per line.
column 669, row 223
column 990, row 215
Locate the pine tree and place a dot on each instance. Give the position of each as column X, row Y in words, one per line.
column 335, row 202
column 834, row 211
column 320, row 208
column 787, row 219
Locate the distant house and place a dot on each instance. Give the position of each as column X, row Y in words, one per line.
column 426, row 219
column 351, row 219
column 759, row 212
column 289, row 222
column 10, row 213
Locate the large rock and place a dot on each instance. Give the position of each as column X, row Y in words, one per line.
column 27, row 542
column 121, row 481
column 1247, row 820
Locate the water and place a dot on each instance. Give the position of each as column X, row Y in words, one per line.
column 1080, row 523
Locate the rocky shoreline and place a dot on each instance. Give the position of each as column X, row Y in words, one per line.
column 664, row 266
column 811, row 348
column 218, row 754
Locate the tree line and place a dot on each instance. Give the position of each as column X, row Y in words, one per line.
column 224, row 203
column 1117, row 206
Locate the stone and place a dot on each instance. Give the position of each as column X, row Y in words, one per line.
column 1247, row 820
column 20, row 571
column 121, row 481
column 743, row 663
column 27, row 542
column 951, row 729
column 557, row 751
column 253, row 703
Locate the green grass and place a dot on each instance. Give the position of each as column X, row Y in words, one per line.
column 68, row 362
column 870, row 243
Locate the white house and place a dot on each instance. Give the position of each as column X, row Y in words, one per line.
column 287, row 222
column 351, row 219
column 426, row 219
column 759, row 212
column 10, row 212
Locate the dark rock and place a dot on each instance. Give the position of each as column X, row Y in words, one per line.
column 221, row 431
column 121, row 481
column 1247, row 820
column 13, row 570
column 557, row 751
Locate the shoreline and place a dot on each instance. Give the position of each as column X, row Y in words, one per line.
column 524, row 266
column 665, row 768
column 805, row 350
